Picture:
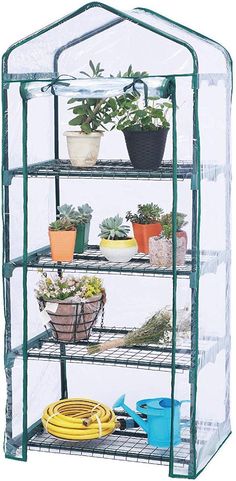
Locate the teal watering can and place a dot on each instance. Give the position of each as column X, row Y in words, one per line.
column 158, row 422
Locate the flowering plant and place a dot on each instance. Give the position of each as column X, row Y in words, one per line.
column 61, row 288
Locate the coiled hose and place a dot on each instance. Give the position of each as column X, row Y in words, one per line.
column 79, row 418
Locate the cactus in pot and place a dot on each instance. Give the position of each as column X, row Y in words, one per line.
column 116, row 245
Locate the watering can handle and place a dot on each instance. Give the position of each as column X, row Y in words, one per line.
column 184, row 424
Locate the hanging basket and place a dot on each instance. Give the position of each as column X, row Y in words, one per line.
column 71, row 320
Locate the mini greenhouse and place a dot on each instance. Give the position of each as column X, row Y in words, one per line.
column 140, row 68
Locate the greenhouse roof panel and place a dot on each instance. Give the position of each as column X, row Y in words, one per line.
column 114, row 38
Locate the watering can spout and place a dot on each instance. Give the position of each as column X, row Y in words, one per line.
column 138, row 419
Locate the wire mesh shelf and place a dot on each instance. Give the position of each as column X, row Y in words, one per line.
column 92, row 261
column 121, row 445
column 116, row 169
column 103, row 169
column 129, row 445
column 151, row 357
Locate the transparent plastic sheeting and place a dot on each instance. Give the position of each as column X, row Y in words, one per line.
column 201, row 73
column 100, row 88
column 109, row 36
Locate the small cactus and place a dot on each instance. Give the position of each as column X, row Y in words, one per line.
column 113, row 229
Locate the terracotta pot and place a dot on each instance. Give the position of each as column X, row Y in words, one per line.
column 73, row 320
column 62, row 244
column 142, row 233
column 181, row 250
column 160, row 250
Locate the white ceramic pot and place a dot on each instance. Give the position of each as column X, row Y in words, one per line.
column 119, row 250
column 83, row 148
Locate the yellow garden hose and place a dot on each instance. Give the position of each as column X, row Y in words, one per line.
column 79, row 418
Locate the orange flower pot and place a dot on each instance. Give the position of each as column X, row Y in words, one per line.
column 142, row 232
column 62, row 244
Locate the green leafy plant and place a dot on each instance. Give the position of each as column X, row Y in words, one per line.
column 61, row 288
column 62, row 224
column 180, row 220
column 130, row 115
column 133, row 117
column 81, row 215
column 113, row 229
column 91, row 114
column 146, row 214
column 166, row 222
column 130, row 73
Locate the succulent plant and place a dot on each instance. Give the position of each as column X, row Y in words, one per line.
column 112, row 228
column 146, row 214
column 82, row 215
column 66, row 211
column 166, row 222
column 62, row 224
column 180, row 220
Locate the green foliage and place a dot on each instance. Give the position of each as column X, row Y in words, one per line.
column 91, row 114
column 131, row 116
column 61, row 288
column 167, row 231
column 146, row 214
column 130, row 73
column 82, row 215
column 90, row 286
column 62, row 224
column 112, row 228
column 180, row 220
column 166, row 222
column 122, row 112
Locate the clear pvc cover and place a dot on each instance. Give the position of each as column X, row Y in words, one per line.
column 195, row 73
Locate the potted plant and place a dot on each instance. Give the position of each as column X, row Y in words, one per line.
column 116, row 245
column 160, row 248
column 146, row 223
column 71, row 304
column 62, row 235
column 145, row 128
column 81, row 218
column 90, row 116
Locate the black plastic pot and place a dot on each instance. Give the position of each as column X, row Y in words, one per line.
column 146, row 148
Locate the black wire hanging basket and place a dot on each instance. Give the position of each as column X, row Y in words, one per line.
column 71, row 321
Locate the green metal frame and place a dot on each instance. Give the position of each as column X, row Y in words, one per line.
column 196, row 202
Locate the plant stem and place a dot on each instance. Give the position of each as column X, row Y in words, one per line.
column 95, row 110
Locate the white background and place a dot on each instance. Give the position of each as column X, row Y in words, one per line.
column 18, row 19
